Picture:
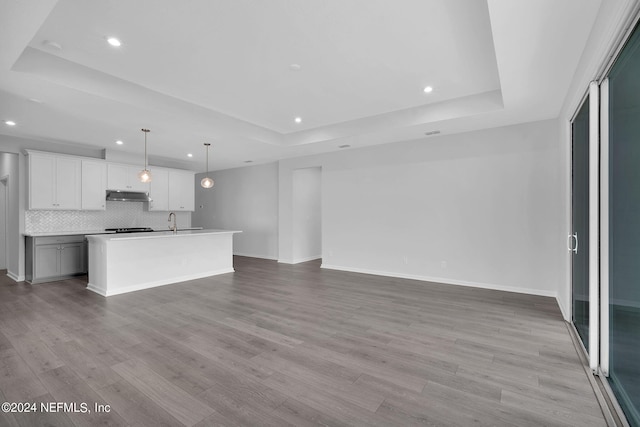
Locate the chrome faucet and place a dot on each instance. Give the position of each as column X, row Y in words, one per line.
column 173, row 227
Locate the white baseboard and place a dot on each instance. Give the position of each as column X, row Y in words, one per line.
column 15, row 277
column 563, row 310
column 444, row 280
column 101, row 291
column 623, row 303
column 97, row 289
column 299, row 260
column 273, row 258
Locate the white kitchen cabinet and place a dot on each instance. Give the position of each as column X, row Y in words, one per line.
column 94, row 185
column 54, row 182
column 181, row 191
column 125, row 178
column 159, row 190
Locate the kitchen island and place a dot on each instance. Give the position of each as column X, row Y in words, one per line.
column 126, row 263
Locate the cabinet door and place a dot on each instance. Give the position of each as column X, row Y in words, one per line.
column 94, row 185
column 68, row 187
column 159, row 190
column 42, row 182
column 72, row 259
column 181, row 191
column 125, row 178
column 117, row 177
column 47, row 262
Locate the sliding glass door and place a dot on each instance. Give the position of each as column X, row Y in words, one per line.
column 578, row 241
column 624, row 229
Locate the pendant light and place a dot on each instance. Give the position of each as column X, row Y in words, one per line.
column 145, row 175
column 206, row 181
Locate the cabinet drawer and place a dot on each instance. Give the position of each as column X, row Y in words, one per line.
column 48, row 240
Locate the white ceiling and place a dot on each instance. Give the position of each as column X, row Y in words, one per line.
column 219, row 71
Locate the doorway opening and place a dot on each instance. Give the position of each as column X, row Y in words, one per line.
column 307, row 214
column 4, row 214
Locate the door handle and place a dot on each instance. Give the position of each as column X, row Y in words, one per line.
column 569, row 248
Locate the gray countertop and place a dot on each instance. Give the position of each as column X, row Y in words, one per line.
column 66, row 233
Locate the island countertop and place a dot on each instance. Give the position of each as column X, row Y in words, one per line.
column 158, row 234
column 121, row 263
column 100, row 231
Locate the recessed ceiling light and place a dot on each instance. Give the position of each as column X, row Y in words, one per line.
column 298, row 120
column 433, row 132
column 53, row 45
column 428, row 89
column 10, row 123
column 344, row 146
column 189, row 155
column 36, row 100
column 114, row 42
column 119, row 142
column 295, row 67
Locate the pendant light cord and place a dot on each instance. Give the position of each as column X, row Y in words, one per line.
column 146, row 131
column 206, row 144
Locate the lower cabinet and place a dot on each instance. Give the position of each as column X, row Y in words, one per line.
column 53, row 258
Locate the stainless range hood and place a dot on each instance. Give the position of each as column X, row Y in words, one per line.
column 127, row 196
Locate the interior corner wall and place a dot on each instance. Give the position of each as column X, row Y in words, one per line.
column 481, row 208
column 244, row 199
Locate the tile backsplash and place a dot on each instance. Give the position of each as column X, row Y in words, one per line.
column 117, row 214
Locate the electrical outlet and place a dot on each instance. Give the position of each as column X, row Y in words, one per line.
column 443, row 264
column 406, row 260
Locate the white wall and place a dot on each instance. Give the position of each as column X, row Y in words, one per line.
column 487, row 203
column 306, row 215
column 244, row 199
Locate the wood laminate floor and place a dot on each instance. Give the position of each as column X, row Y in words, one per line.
column 290, row 345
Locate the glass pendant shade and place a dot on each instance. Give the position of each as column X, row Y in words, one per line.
column 206, row 181
column 145, row 175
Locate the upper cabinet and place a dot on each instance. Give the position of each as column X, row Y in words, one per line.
column 94, row 185
column 159, row 190
column 54, row 182
column 125, row 178
column 61, row 182
column 181, row 191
